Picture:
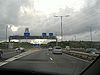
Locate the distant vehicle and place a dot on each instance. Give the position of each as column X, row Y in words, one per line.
column 95, row 52
column 16, row 49
column 1, row 53
column 50, row 48
column 67, row 48
column 92, row 50
column 20, row 49
column 57, row 50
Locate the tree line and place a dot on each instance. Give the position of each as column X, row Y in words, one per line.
column 76, row 44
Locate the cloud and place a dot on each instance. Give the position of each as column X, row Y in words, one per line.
column 22, row 14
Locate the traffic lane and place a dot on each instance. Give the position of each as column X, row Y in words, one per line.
column 39, row 61
column 8, row 55
column 11, row 53
column 73, row 64
column 7, row 50
column 44, row 61
column 37, row 57
column 36, row 62
column 5, row 53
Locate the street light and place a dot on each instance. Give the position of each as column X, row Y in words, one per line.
column 61, row 25
column 13, row 28
column 91, row 35
column 7, row 26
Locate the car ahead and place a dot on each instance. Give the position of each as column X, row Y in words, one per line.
column 57, row 50
column 50, row 48
column 16, row 49
column 95, row 52
column 92, row 51
column 20, row 49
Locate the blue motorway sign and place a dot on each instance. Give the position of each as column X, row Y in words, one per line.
column 44, row 34
column 26, row 35
column 50, row 34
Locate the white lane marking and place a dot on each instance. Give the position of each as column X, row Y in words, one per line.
column 51, row 58
column 17, row 57
column 3, row 63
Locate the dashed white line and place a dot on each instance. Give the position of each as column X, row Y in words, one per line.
column 51, row 58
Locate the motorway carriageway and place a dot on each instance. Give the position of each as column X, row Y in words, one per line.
column 45, row 61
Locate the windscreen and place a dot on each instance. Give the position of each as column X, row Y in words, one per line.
column 29, row 28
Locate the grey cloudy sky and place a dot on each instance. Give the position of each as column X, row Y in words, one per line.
column 38, row 16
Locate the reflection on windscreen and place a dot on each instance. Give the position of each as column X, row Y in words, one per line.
column 30, row 30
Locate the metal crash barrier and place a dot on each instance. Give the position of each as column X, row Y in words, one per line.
column 82, row 55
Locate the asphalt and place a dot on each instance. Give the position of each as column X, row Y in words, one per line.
column 45, row 61
column 7, row 55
